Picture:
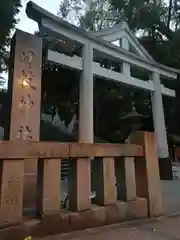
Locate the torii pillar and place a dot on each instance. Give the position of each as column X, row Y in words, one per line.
column 80, row 190
column 158, row 119
column 165, row 165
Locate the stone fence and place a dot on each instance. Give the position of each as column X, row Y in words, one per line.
column 132, row 166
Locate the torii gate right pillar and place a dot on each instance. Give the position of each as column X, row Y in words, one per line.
column 160, row 130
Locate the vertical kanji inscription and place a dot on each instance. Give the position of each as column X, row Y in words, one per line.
column 25, row 90
column 26, row 85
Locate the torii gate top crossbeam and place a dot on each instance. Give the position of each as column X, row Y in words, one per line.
column 50, row 23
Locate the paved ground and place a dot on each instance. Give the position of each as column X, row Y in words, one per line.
column 171, row 196
column 171, row 191
column 159, row 229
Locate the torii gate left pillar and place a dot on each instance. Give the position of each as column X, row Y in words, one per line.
column 24, row 88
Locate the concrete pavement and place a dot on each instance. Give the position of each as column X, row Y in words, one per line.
column 165, row 228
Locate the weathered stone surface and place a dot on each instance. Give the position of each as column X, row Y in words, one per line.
column 99, row 214
column 130, row 178
column 147, row 172
column 80, row 184
column 25, row 89
column 137, row 209
column 104, row 150
column 122, row 208
column 104, row 174
column 70, row 221
column 11, row 192
column 49, row 181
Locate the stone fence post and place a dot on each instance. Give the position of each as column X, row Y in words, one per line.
column 147, row 172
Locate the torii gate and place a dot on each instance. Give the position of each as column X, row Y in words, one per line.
column 29, row 47
column 101, row 43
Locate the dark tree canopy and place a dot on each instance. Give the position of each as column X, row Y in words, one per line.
column 8, row 12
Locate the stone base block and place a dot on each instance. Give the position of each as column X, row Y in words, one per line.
column 70, row 221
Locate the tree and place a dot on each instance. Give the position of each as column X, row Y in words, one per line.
column 155, row 20
column 92, row 15
column 8, row 12
column 161, row 35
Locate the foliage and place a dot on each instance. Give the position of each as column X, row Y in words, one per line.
column 156, row 23
column 92, row 15
column 159, row 24
column 8, row 12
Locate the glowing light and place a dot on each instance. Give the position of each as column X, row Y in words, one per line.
column 25, row 83
column 28, row 238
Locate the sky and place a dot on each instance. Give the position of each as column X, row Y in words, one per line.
column 27, row 25
column 30, row 26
